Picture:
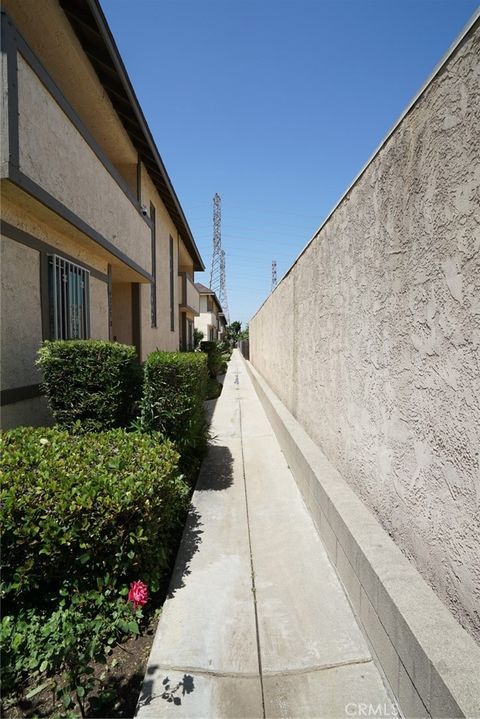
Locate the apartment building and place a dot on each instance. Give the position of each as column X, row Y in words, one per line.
column 211, row 318
column 94, row 241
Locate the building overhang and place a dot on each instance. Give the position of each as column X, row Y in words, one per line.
column 91, row 28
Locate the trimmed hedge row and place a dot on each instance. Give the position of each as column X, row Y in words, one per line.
column 92, row 382
column 86, row 511
column 174, row 389
column 216, row 361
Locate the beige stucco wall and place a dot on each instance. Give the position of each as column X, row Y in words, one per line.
column 4, row 143
column 373, row 338
column 20, row 210
column 21, row 325
column 55, row 155
column 122, row 312
column 98, row 309
column 53, row 40
column 160, row 337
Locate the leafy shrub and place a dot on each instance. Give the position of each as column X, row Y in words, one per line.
column 85, row 511
column 175, row 387
column 90, row 381
column 216, row 362
column 208, row 345
column 214, row 389
column 83, row 516
column 197, row 337
column 67, row 637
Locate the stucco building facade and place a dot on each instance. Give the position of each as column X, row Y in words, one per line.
column 211, row 319
column 94, row 240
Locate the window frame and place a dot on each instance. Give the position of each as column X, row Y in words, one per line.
column 68, row 288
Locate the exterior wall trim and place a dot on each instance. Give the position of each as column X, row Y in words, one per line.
column 14, row 42
column 20, row 394
column 45, row 198
column 25, row 238
column 9, row 48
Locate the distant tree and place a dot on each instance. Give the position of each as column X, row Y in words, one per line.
column 233, row 331
column 197, row 338
column 243, row 335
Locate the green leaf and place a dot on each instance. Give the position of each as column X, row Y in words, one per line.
column 38, row 689
column 67, row 700
column 80, row 691
column 133, row 627
column 43, row 665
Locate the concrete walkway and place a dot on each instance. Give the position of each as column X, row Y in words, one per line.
column 256, row 623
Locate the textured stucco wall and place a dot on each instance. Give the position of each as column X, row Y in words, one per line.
column 162, row 336
column 122, row 312
column 21, row 320
column 20, row 210
column 53, row 40
column 373, row 338
column 98, row 309
column 55, row 155
column 4, row 143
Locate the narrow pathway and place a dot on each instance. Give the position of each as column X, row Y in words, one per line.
column 256, row 623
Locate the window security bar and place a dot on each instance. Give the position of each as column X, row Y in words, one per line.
column 69, row 299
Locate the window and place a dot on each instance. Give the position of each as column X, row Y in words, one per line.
column 69, row 299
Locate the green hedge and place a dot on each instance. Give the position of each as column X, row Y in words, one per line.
column 86, row 511
column 92, row 382
column 216, row 362
column 174, row 390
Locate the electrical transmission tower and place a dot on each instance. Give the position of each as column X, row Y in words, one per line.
column 217, row 271
column 274, row 274
column 222, row 294
column 217, row 244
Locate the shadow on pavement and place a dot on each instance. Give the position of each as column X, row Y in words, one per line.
column 217, row 470
column 216, row 474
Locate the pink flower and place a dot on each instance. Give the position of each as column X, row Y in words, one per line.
column 138, row 594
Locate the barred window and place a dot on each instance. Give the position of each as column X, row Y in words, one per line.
column 69, row 299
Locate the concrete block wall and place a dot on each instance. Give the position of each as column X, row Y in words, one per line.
column 372, row 339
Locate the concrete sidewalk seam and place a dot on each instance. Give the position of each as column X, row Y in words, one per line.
column 257, row 629
column 252, row 675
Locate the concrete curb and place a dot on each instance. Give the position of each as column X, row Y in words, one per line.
column 431, row 663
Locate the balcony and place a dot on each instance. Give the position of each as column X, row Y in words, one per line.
column 53, row 158
column 189, row 295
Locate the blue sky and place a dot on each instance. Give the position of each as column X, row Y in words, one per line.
column 276, row 105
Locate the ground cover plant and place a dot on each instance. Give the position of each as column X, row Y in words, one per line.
column 84, row 516
column 93, row 382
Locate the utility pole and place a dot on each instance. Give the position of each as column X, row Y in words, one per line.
column 274, row 274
